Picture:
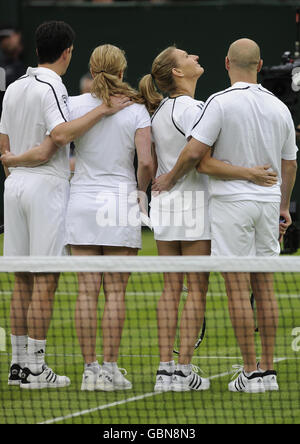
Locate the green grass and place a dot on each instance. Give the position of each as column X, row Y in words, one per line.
column 139, row 355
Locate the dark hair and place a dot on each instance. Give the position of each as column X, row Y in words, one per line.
column 52, row 39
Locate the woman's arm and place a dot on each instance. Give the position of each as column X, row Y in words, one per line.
column 145, row 164
column 258, row 175
column 33, row 157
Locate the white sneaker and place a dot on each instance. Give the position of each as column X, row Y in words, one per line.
column 248, row 384
column 89, row 380
column 163, row 381
column 269, row 379
column 109, row 382
column 46, row 379
column 183, row 383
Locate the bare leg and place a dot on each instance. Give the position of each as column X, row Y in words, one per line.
column 115, row 310
column 194, row 309
column 20, row 302
column 267, row 313
column 238, row 292
column 40, row 309
column 89, row 285
column 167, row 307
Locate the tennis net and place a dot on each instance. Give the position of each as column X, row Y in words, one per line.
column 218, row 353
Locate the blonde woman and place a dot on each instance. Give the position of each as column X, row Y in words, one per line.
column 180, row 218
column 103, row 216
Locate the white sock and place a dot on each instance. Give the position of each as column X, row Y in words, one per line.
column 110, row 367
column 36, row 355
column 19, row 350
column 167, row 366
column 185, row 369
column 250, row 373
column 94, row 367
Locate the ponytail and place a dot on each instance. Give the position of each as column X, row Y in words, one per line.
column 150, row 93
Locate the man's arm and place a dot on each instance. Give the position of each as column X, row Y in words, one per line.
column 4, row 147
column 67, row 132
column 35, row 156
column 288, row 174
column 222, row 170
column 189, row 158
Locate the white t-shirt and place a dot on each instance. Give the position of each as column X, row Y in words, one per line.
column 172, row 124
column 32, row 107
column 105, row 154
column 247, row 126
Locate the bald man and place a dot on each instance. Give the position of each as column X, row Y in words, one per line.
column 245, row 125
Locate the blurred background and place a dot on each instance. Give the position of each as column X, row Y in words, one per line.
column 143, row 28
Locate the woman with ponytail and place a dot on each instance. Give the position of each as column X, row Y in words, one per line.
column 179, row 218
column 103, row 216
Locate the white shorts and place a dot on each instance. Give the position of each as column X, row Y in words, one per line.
column 174, row 217
column 244, row 228
column 34, row 214
column 103, row 218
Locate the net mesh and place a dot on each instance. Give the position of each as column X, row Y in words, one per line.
column 139, row 351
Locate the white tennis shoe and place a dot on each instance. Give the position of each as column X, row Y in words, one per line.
column 90, row 379
column 109, row 382
column 46, row 379
column 193, row 381
column 243, row 383
column 163, row 381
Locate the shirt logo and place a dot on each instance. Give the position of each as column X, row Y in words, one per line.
column 65, row 99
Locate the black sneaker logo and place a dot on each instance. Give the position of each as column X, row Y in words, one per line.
column 40, row 352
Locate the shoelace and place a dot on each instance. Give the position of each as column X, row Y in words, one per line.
column 238, row 369
column 197, row 369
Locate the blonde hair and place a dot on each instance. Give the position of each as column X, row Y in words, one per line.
column 106, row 64
column 161, row 78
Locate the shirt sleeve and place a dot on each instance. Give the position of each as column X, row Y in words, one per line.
column 209, row 125
column 188, row 118
column 289, row 150
column 55, row 108
column 3, row 123
column 143, row 118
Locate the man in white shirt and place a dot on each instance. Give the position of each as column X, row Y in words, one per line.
column 245, row 125
column 35, row 199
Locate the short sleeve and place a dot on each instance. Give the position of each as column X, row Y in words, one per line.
column 289, row 150
column 3, row 122
column 143, row 118
column 55, row 109
column 188, row 118
column 209, row 125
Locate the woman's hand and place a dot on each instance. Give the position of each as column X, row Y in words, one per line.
column 8, row 159
column 263, row 176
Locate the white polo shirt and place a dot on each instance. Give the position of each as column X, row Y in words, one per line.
column 33, row 106
column 247, row 126
column 105, row 154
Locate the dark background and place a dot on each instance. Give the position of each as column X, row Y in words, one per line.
column 142, row 29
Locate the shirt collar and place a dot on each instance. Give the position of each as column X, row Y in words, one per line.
column 43, row 71
column 245, row 84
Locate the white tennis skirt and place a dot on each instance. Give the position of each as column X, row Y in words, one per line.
column 103, row 218
column 178, row 216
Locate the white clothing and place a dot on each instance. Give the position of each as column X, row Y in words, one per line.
column 103, row 207
column 247, row 126
column 181, row 214
column 32, row 107
column 34, row 217
column 248, row 228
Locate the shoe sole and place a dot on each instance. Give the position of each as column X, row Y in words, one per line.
column 254, row 390
column 40, row 386
column 111, row 389
column 14, row 383
column 162, row 389
column 271, row 388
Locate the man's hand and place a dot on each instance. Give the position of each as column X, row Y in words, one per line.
column 117, row 103
column 7, row 159
column 162, row 183
column 261, row 176
column 284, row 223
